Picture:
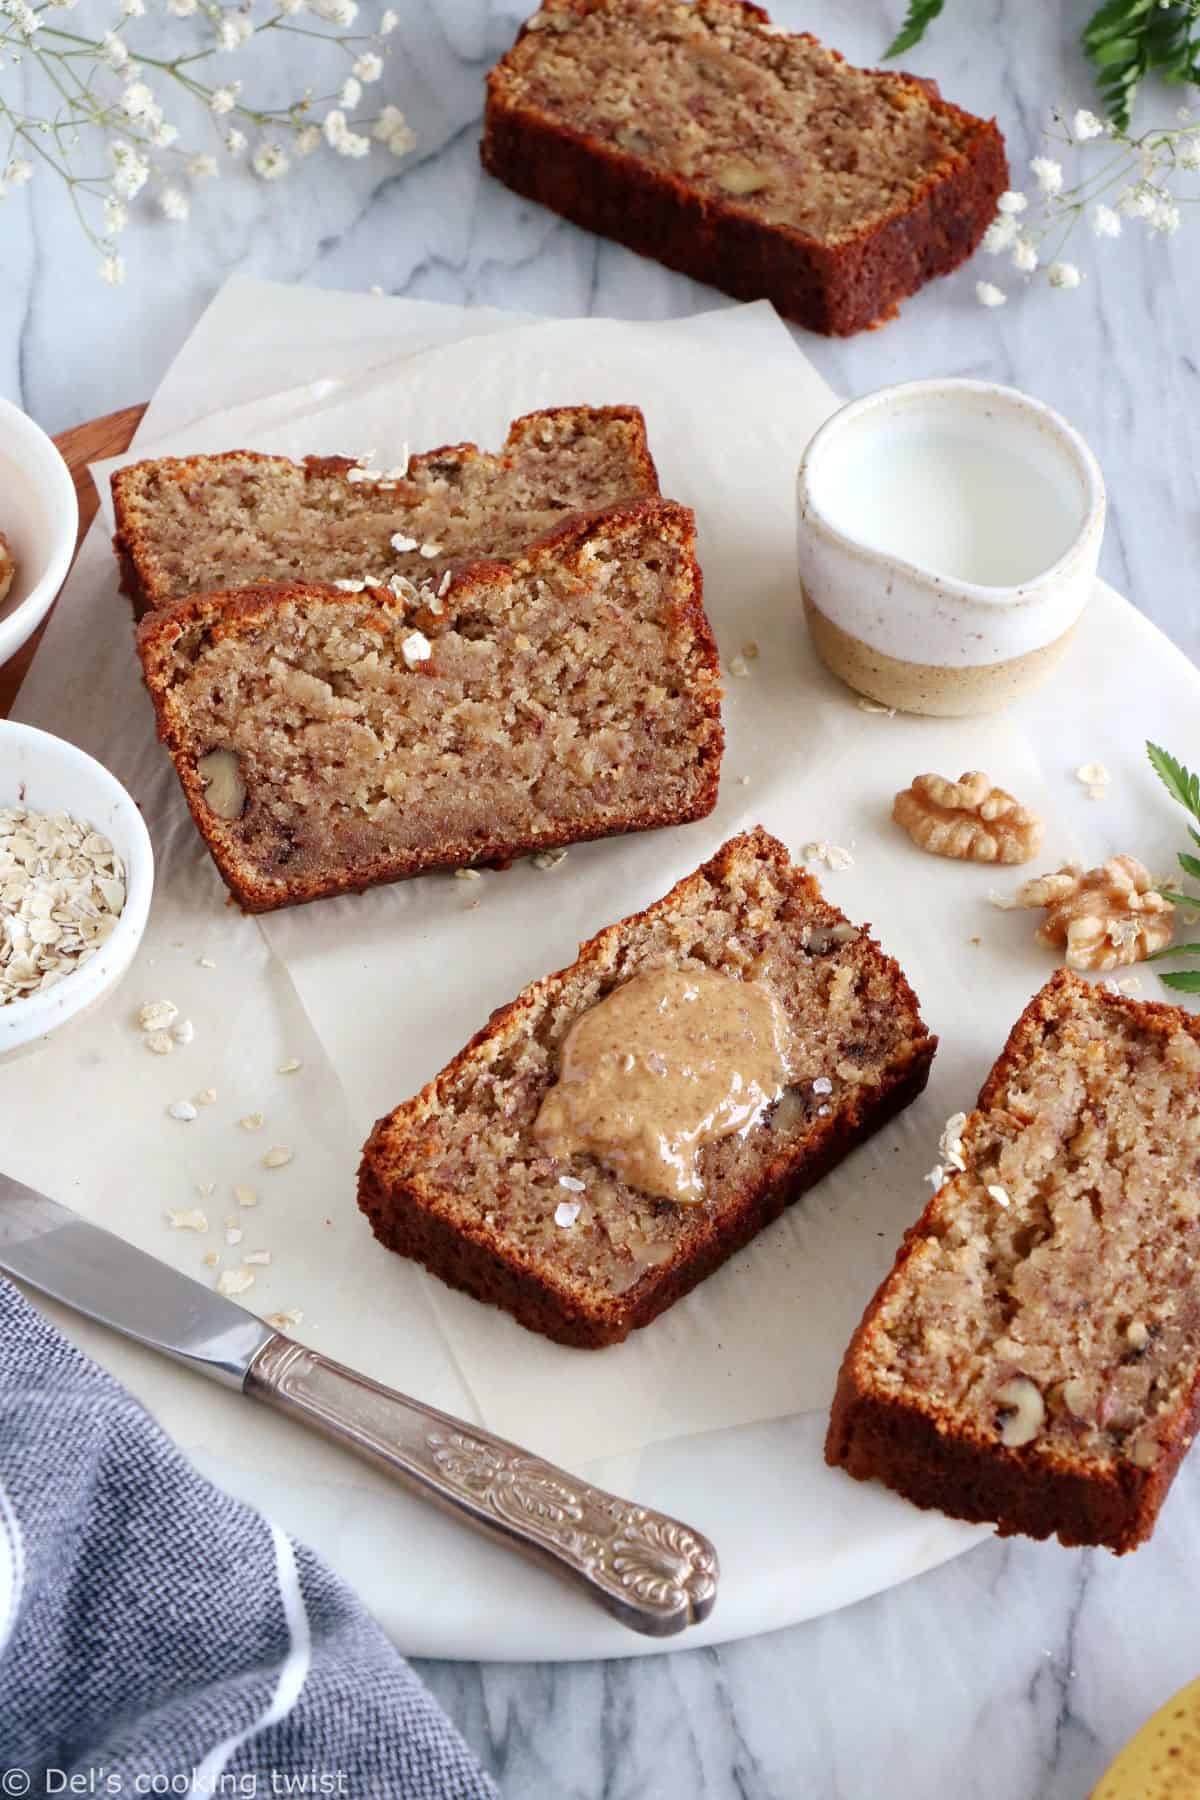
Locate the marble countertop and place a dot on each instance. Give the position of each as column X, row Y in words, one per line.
column 1018, row 1670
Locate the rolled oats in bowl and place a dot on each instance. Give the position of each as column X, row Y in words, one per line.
column 62, row 890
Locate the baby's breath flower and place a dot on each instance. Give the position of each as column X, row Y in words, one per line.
column 224, row 99
column 988, row 294
column 1000, row 235
column 173, row 204
column 182, row 9
column 269, row 162
column 369, row 67
column 133, row 9
column 339, row 136
column 351, row 92
column 138, row 102
column 1137, row 202
column 235, row 141
column 116, row 216
column 17, row 172
column 1166, row 218
column 1048, row 174
column 112, row 270
column 337, row 12
column 1012, row 202
column 1106, row 221
column 132, row 170
column 233, row 30
column 289, row 8
column 391, row 128
column 1063, row 275
column 1086, row 125
column 388, row 22
column 1187, row 156
column 115, row 52
column 201, row 167
column 306, row 140
column 1024, row 256
column 163, row 135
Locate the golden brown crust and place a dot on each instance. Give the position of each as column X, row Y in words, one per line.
column 137, row 578
column 932, row 1460
column 246, row 609
column 399, row 1196
column 834, row 289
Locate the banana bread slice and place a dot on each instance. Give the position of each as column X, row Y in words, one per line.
column 186, row 525
column 329, row 740
column 763, row 163
column 457, row 1179
column 1033, row 1359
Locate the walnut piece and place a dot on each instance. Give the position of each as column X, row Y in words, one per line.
column 7, row 568
column 968, row 819
column 1023, row 1410
column 224, row 789
column 740, row 177
column 1106, row 918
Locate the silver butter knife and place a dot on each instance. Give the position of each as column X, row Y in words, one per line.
column 651, row 1572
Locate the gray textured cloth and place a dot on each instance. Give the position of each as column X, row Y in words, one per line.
column 158, row 1637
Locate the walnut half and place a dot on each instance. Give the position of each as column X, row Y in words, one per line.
column 968, row 819
column 1106, row 918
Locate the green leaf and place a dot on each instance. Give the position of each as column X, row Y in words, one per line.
column 1179, row 782
column 1185, row 982
column 1179, row 899
column 921, row 14
column 1194, row 835
column 1189, row 864
column 1173, row 950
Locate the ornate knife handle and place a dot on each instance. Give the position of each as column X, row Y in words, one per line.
column 651, row 1572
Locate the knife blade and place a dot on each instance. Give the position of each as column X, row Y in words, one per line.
column 652, row 1572
column 102, row 1276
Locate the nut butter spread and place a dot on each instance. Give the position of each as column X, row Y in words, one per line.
column 668, row 1062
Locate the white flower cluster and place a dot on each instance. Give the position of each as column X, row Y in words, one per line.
column 142, row 144
column 1105, row 197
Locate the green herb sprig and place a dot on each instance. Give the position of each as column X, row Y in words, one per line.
column 1183, row 787
column 1124, row 40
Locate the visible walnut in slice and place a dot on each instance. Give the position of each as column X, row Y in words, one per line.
column 224, row 789
column 1106, row 918
column 7, row 568
column 968, row 819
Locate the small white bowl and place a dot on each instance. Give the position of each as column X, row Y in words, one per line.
column 48, row 775
column 948, row 534
column 39, row 515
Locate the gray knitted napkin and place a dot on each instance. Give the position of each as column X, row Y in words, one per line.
column 158, row 1637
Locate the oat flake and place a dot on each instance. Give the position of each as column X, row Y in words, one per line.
column 62, row 890
column 277, row 1157
column 231, row 1282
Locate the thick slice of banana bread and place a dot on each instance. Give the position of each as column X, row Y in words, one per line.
column 1034, row 1357
column 329, row 740
column 187, row 525
column 457, row 1178
column 763, row 163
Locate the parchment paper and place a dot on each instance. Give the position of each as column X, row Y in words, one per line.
column 391, row 984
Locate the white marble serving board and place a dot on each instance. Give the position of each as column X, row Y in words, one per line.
column 796, row 1539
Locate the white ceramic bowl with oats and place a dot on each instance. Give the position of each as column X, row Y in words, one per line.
column 68, row 929
column 39, row 519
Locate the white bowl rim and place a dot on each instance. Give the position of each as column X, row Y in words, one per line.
column 23, row 1021
column 19, row 624
column 1061, row 430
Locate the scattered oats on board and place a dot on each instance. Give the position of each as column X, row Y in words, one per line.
column 211, row 1260
column 277, row 1157
column 159, row 1043
column 750, row 651
column 549, row 859
column 233, row 1234
column 245, row 1196
column 1095, row 778
column 205, row 962
column 206, row 1097
column 466, row 875
column 873, row 706
column 251, row 1122
column 290, row 1065
column 566, row 1213
column 832, row 855
column 232, row 1282
column 290, row 1316
column 259, row 1258
column 62, row 890
column 183, row 1110
column 187, row 1218
column 183, row 1031
column 157, row 1015
column 738, row 666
